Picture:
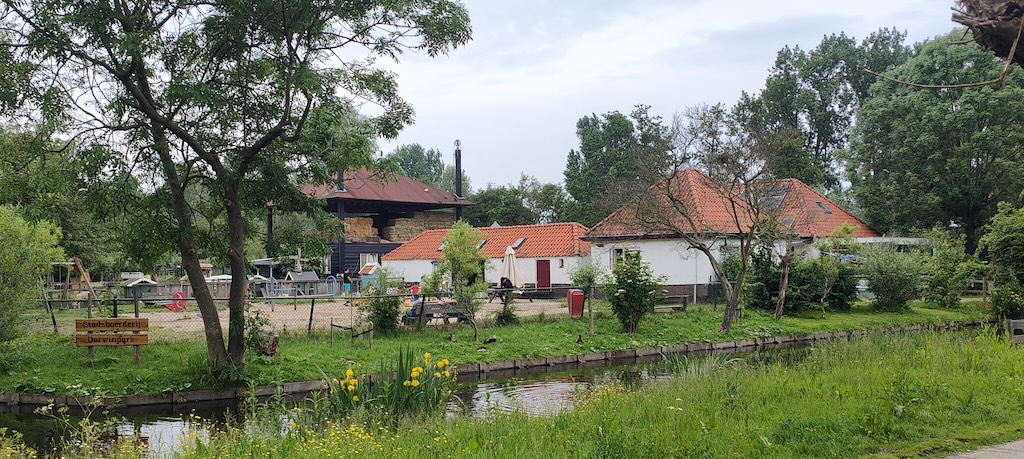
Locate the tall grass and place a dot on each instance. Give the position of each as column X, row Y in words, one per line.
column 884, row 396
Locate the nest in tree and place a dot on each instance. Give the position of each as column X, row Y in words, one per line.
column 994, row 23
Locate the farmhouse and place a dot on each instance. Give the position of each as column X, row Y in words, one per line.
column 805, row 212
column 545, row 254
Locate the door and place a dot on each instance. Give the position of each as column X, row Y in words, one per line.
column 543, row 273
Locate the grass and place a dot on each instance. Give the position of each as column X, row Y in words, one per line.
column 46, row 363
column 882, row 396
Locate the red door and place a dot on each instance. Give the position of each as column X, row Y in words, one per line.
column 543, row 273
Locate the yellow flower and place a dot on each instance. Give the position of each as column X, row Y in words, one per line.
column 406, row 383
column 447, row 374
column 351, row 387
column 349, row 373
column 437, row 374
column 336, row 381
column 414, row 383
column 355, row 398
column 426, row 356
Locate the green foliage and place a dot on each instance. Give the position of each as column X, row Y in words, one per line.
column 921, row 159
column 463, row 261
column 893, row 276
column 382, row 311
column 29, row 248
column 1004, row 244
column 498, row 204
column 823, row 283
column 633, row 290
column 507, row 316
column 257, row 330
column 616, row 158
column 419, row 163
column 947, row 269
column 402, row 387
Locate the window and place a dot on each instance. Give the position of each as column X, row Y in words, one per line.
column 618, row 255
column 367, row 258
column 561, row 262
column 442, row 246
column 481, row 244
column 822, row 206
column 518, row 242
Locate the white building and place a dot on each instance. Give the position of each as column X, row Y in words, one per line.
column 651, row 228
column 545, row 254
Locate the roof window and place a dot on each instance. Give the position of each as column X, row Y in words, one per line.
column 442, row 246
column 823, row 208
column 481, row 244
column 518, row 242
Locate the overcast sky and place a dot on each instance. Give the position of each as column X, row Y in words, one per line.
column 534, row 67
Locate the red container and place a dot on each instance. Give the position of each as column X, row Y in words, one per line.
column 574, row 297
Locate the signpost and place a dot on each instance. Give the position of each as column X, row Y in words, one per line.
column 112, row 332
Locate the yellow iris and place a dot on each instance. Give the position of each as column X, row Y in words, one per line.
column 349, row 373
column 414, row 383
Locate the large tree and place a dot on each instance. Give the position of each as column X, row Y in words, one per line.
column 617, row 157
column 940, row 157
column 419, row 163
column 500, row 204
column 217, row 97
column 813, row 96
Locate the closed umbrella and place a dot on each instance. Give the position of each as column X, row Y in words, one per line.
column 509, row 268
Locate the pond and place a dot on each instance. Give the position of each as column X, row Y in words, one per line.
column 538, row 393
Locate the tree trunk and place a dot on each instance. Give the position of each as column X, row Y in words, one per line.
column 784, row 281
column 732, row 303
column 216, row 354
column 590, row 310
column 239, row 275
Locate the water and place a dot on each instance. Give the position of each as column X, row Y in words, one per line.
column 537, row 394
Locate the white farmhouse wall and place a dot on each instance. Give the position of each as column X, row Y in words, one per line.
column 414, row 270
column 673, row 259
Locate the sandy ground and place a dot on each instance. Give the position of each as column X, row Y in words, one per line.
column 286, row 314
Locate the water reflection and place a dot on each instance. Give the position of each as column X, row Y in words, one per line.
column 536, row 394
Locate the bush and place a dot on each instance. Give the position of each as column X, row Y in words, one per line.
column 633, row 290
column 1004, row 243
column 383, row 305
column 807, row 285
column 946, row 270
column 893, row 276
column 28, row 250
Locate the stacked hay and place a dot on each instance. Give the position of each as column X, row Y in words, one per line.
column 360, row 229
column 404, row 229
column 995, row 25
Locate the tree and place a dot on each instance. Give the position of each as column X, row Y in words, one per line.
column 617, row 158
column 947, row 269
column 29, row 248
column 463, row 261
column 731, row 206
column 812, row 97
column 926, row 158
column 420, row 164
column 633, row 290
column 585, row 276
column 237, row 101
column 548, row 202
column 498, row 204
column 1004, row 243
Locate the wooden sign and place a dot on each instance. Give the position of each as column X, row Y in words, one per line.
column 116, row 339
column 111, row 325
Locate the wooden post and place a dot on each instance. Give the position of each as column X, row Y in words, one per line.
column 90, row 352
column 136, row 350
column 309, row 327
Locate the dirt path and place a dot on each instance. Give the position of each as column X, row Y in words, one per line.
column 286, row 315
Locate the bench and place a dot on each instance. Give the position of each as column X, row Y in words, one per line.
column 516, row 293
column 678, row 304
column 433, row 310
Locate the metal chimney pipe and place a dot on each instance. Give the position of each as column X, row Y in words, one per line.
column 458, row 180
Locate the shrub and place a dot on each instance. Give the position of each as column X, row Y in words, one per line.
column 28, row 250
column 383, row 306
column 824, row 283
column 893, row 276
column 1004, row 243
column 946, row 270
column 633, row 290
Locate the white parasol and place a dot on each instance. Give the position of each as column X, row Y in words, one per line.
column 510, row 269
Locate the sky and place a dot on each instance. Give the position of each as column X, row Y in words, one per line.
column 512, row 96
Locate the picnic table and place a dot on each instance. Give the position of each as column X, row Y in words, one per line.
column 443, row 310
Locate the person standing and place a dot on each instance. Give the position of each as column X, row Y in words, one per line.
column 415, row 292
column 346, row 278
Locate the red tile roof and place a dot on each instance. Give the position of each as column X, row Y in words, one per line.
column 541, row 241
column 814, row 215
column 711, row 212
column 360, row 185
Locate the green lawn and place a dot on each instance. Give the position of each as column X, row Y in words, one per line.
column 46, row 363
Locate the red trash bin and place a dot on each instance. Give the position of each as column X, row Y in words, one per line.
column 574, row 297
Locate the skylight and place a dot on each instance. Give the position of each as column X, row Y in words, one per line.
column 822, row 206
column 481, row 244
column 518, row 242
column 443, row 244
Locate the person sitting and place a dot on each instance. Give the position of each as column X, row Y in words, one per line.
column 506, row 287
